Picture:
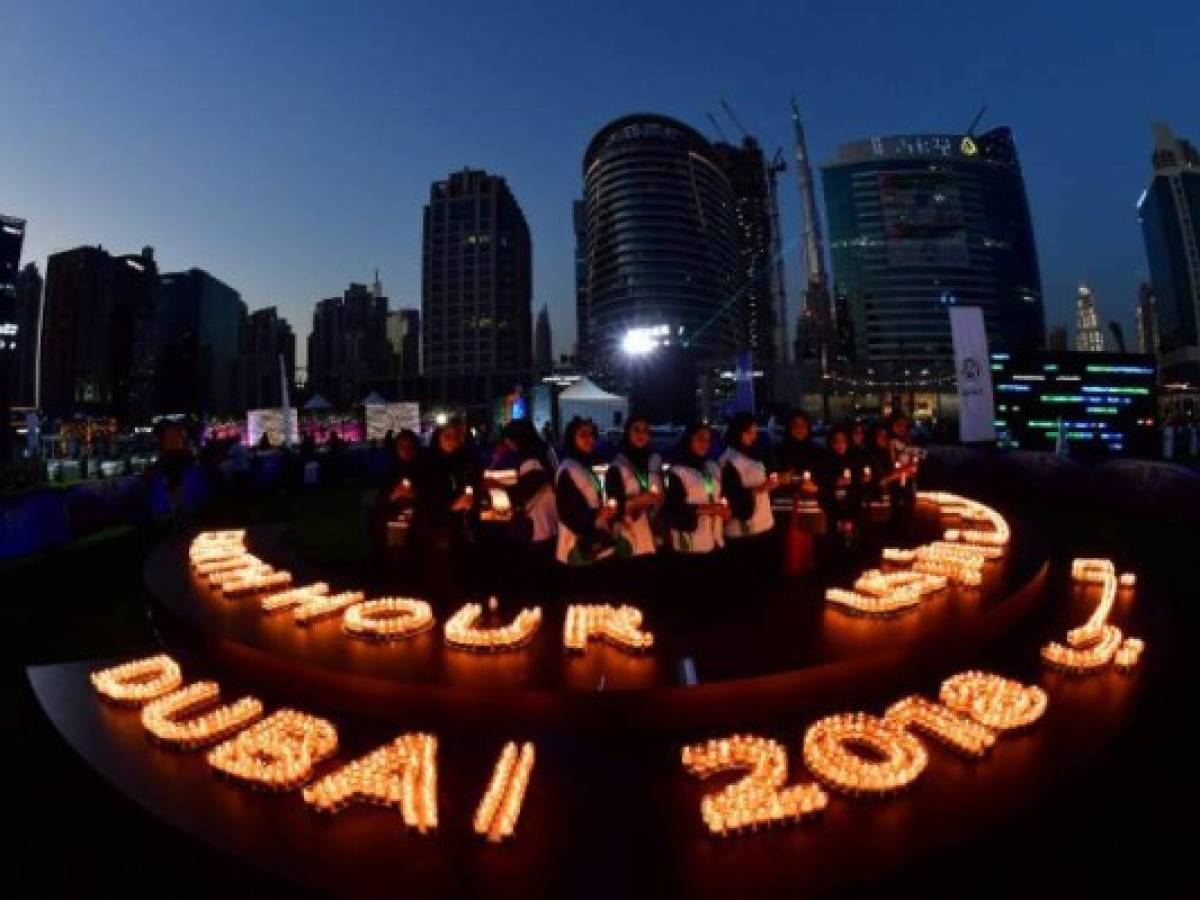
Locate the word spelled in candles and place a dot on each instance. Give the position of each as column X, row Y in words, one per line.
column 858, row 754
column 282, row 751
column 618, row 625
column 1095, row 643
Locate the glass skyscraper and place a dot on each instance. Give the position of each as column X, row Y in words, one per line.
column 918, row 223
column 1169, row 211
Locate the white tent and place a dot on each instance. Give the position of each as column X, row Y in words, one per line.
column 372, row 399
column 585, row 399
column 316, row 403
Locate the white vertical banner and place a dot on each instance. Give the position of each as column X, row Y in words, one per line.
column 973, row 374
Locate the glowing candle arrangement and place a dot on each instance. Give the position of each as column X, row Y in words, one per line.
column 951, row 729
column 833, row 752
column 256, row 582
column 760, row 798
column 401, row 775
column 387, row 619
column 324, row 606
column 185, row 720
column 994, row 701
column 278, row 753
column 959, row 557
column 290, row 599
column 496, row 816
column 1095, row 643
column 464, row 631
column 138, row 682
column 618, row 625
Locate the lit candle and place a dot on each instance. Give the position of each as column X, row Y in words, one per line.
column 278, row 753
column 462, row 630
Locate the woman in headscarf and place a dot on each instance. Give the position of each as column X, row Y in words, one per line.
column 841, row 490
column 584, row 518
column 445, row 494
column 801, row 462
column 745, row 482
column 694, row 509
column 532, row 497
column 634, row 480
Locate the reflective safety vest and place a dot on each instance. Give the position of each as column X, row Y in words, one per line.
column 699, row 488
column 635, row 537
column 752, row 473
column 568, row 550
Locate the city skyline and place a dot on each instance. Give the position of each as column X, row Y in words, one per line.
column 244, row 167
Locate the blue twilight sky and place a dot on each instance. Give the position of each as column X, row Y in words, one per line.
column 288, row 147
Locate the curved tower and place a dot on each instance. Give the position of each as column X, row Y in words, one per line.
column 661, row 244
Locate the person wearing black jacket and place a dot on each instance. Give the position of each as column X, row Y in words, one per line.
column 800, row 461
column 446, row 487
column 841, row 488
column 532, row 497
column 584, row 518
column 745, row 480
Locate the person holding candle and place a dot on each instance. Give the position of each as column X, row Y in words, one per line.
column 584, row 518
column 394, row 500
column 800, row 461
column 445, row 493
column 635, row 482
column 905, row 456
column 841, row 490
column 695, row 511
column 533, row 495
column 745, row 482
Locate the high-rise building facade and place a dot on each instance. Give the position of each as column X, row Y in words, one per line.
column 404, row 337
column 27, row 316
column 746, row 170
column 476, row 289
column 579, row 220
column 543, row 343
column 349, row 354
column 98, row 333
column 266, row 338
column 16, row 345
column 1146, row 320
column 920, row 222
column 662, row 245
column 1089, row 338
column 200, row 325
column 1169, row 211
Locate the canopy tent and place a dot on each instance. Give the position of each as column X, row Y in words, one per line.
column 317, row 402
column 372, row 399
column 589, row 401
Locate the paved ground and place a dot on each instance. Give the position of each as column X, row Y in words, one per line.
column 1126, row 822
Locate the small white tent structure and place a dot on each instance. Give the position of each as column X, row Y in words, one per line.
column 585, row 399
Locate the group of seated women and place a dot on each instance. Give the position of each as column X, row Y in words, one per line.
column 580, row 510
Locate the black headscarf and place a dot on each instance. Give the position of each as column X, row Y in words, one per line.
column 569, row 448
column 523, row 436
column 639, row 456
column 799, row 455
column 738, row 426
column 683, row 454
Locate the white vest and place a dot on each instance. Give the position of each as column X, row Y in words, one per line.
column 638, row 533
column 541, row 509
column 699, row 490
column 753, row 473
column 589, row 486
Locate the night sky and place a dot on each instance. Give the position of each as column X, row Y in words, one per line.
column 288, row 147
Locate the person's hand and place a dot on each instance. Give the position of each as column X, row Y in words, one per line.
column 403, row 490
column 606, row 513
column 808, row 486
column 463, row 503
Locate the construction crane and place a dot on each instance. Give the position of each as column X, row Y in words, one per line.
column 774, row 167
column 734, row 119
column 716, row 127
column 816, row 295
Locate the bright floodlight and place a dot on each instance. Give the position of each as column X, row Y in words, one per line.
column 638, row 341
